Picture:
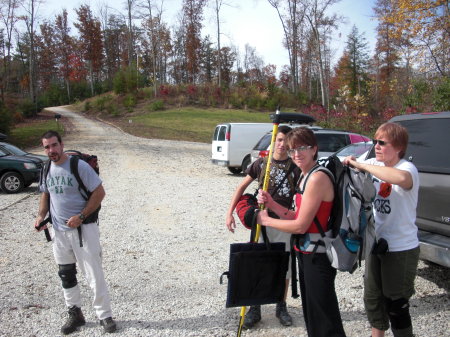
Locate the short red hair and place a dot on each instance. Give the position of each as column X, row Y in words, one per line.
column 396, row 134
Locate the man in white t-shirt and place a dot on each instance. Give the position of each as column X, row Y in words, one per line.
column 69, row 210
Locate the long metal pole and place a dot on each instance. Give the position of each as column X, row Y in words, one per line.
column 265, row 188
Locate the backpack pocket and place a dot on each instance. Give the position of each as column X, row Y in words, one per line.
column 343, row 253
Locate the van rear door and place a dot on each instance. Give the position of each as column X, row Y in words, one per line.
column 220, row 145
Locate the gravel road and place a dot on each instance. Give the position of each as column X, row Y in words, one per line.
column 164, row 245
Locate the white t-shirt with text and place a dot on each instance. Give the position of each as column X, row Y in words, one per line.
column 395, row 209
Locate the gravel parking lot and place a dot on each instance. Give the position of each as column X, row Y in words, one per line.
column 165, row 246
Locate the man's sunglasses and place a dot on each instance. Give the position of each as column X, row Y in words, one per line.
column 381, row 142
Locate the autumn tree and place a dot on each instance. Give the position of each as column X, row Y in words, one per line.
column 208, row 60
column 130, row 7
column 89, row 28
column 358, row 55
column 156, row 39
column 386, row 60
column 291, row 19
column 178, row 57
column 217, row 6
column 46, row 60
column 115, row 32
column 64, row 46
column 321, row 25
column 253, row 64
column 30, row 18
column 192, row 20
column 426, row 23
column 228, row 59
column 8, row 19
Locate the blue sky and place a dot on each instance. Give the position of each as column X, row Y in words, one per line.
column 249, row 21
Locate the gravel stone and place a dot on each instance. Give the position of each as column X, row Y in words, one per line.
column 165, row 245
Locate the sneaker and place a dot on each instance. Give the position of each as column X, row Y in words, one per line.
column 283, row 315
column 252, row 317
column 74, row 320
column 108, row 324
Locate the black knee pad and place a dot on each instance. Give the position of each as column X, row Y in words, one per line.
column 68, row 275
column 398, row 312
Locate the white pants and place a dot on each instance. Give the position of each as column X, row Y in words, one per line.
column 67, row 250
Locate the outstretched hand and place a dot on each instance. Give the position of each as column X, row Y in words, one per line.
column 231, row 224
column 349, row 161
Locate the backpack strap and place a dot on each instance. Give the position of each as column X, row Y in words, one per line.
column 81, row 187
column 43, row 180
column 263, row 231
column 330, row 175
column 294, row 279
column 74, row 169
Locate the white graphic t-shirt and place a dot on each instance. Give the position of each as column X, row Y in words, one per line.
column 395, row 209
column 65, row 198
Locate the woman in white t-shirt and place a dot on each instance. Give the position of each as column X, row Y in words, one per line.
column 392, row 266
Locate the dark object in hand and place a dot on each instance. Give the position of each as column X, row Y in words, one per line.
column 42, row 224
column 380, row 247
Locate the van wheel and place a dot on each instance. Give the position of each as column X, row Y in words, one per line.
column 246, row 163
column 234, row 170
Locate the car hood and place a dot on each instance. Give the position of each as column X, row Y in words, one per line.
column 25, row 159
column 38, row 156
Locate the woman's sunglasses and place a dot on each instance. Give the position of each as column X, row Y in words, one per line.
column 381, row 142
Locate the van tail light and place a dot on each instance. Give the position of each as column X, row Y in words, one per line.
column 263, row 154
column 227, row 136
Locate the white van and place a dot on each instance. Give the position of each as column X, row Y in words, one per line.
column 232, row 144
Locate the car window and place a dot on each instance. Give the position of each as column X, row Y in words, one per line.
column 2, row 153
column 222, row 132
column 216, row 132
column 264, row 142
column 330, row 142
column 355, row 150
column 14, row 150
column 427, row 141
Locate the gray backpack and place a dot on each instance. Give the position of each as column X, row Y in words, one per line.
column 351, row 221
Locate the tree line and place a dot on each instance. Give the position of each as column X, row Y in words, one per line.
column 44, row 61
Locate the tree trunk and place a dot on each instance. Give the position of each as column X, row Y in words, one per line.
column 219, row 58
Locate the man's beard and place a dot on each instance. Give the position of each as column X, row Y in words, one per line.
column 54, row 157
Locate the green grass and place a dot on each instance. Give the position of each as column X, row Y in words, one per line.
column 29, row 135
column 188, row 123
column 192, row 124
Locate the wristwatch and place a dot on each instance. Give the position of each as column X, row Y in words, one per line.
column 82, row 216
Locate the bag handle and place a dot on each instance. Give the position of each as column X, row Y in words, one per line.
column 263, row 230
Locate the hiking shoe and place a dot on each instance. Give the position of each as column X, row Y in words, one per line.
column 108, row 324
column 283, row 315
column 252, row 317
column 74, row 320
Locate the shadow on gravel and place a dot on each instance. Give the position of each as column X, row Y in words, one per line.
column 191, row 323
column 437, row 274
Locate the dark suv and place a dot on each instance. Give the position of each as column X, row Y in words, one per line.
column 428, row 138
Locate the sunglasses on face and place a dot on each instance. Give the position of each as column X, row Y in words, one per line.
column 292, row 152
column 381, row 142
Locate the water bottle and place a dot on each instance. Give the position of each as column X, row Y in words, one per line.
column 352, row 243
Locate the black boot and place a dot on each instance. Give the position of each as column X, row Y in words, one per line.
column 283, row 315
column 74, row 320
column 108, row 325
column 252, row 317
